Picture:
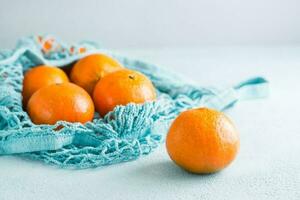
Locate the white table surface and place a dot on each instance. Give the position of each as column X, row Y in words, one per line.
column 267, row 167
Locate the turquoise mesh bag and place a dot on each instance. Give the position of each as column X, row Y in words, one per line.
column 124, row 134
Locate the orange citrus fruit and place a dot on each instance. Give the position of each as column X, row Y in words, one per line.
column 65, row 101
column 89, row 70
column 120, row 88
column 202, row 140
column 39, row 77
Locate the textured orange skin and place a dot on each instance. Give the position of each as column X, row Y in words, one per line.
column 89, row 70
column 120, row 88
column 202, row 141
column 65, row 101
column 39, row 77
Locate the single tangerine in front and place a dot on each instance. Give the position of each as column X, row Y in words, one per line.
column 202, row 140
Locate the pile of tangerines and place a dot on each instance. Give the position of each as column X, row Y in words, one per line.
column 199, row 140
column 95, row 81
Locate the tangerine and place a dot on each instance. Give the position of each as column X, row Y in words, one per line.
column 90, row 69
column 202, row 140
column 39, row 77
column 120, row 88
column 66, row 101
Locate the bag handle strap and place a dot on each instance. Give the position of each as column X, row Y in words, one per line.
column 254, row 88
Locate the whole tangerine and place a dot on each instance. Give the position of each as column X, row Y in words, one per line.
column 202, row 140
column 39, row 77
column 66, row 101
column 90, row 69
column 120, row 88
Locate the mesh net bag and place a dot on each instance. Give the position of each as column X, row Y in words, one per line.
column 124, row 134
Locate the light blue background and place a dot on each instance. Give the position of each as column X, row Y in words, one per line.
column 155, row 23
